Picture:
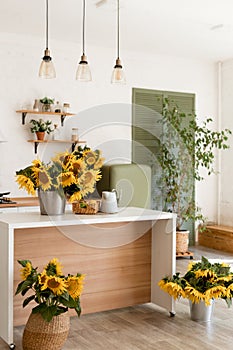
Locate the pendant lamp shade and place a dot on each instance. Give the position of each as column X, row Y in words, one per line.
column 47, row 70
column 83, row 71
column 118, row 74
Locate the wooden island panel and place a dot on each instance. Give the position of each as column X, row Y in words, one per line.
column 115, row 277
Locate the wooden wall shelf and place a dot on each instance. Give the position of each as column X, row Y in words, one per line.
column 37, row 142
column 62, row 115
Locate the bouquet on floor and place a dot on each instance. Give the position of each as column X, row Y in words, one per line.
column 202, row 282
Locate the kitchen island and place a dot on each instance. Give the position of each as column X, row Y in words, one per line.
column 123, row 256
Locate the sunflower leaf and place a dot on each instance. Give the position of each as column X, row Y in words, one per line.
column 27, row 300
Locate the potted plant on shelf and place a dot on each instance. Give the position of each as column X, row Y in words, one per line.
column 46, row 104
column 53, row 293
column 40, row 127
column 186, row 149
column 201, row 284
column 70, row 176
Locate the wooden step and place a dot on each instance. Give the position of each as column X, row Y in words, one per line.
column 217, row 237
column 184, row 255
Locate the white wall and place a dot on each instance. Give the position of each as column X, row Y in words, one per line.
column 103, row 110
column 226, row 200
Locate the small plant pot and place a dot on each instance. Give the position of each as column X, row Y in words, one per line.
column 40, row 135
column 46, row 107
column 182, row 241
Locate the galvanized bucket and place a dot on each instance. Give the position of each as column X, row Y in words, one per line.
column 200, row 312
column 51, row 203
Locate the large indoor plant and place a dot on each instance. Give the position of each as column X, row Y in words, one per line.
column 72, row 175
column 53, row 293
column 186, row 148
column 203, row 282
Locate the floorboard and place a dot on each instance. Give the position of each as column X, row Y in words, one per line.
column 147, row 327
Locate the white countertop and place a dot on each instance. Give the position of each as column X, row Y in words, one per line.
column 35, row 219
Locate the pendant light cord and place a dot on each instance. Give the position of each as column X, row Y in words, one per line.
column 47, row 24
column 84, row 7
column 118, row 29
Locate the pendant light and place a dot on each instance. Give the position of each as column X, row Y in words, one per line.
column 118, row 74
column 47, row 70
column 83, row 71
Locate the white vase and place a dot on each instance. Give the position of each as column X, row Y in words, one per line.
column 51, row 203
column 200, row 312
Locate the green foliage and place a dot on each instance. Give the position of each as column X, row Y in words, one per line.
column 53, row 292
column 41, row 126
column 186, row 148
column 203, row 281
column 47, row 100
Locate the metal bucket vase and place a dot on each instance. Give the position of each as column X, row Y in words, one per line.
column 42, row 335
column 200, row 312
column 51, row 203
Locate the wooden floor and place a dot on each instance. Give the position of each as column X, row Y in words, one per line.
column 147, row 327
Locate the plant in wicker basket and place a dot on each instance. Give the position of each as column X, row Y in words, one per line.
column 52, row 291
column 48, row 325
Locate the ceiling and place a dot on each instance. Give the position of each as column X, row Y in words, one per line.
column 200, row 29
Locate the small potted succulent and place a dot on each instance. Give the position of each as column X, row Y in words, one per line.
column 46, row 104
column 40, row 127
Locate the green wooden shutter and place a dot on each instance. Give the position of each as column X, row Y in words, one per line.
column 147, row 133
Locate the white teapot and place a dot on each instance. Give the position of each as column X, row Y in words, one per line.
column 109, row 202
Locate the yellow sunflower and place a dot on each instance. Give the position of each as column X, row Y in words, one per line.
column 205, row 273
column 56, row 284
column 54, row 267
column 89, row 157
column 89, row 178
column 229, row 291
column 44, row 179
column 66, row 179
column 76, row 196
column 75, row 286
column 172, row 288
column 215, row 292
column 42, row 278
column 37, row 163
column 26, row 271
column 26, row 183
column 194, row 295
column 99, row 163
column 77, row 167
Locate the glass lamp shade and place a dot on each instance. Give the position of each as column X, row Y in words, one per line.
column 47, row 70
column 83, row 72
column 118, row 74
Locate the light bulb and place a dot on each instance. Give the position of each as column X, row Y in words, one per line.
column 118, row 74
column 47, row 70
column 83, row 72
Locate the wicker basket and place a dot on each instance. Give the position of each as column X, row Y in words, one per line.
column 42, row 335
column 182, row 241
column 86, row 207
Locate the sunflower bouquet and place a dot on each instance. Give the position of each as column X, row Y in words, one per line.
column 202, row 282
column 52, row 291
column 73, row 175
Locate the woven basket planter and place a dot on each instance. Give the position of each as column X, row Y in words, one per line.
column 182, row 241
column 42, row 335
column 86, row 207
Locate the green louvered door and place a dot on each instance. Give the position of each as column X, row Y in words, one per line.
column 147, row 133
